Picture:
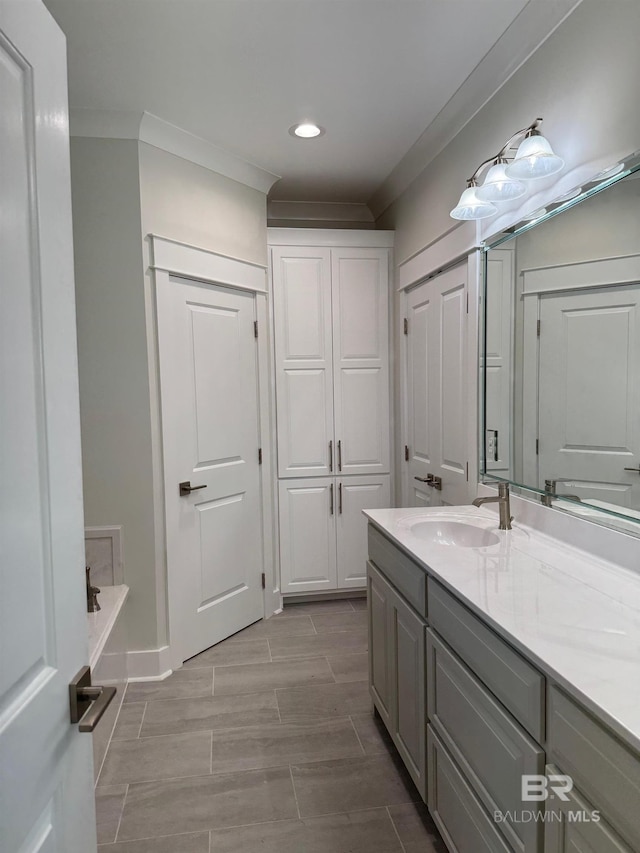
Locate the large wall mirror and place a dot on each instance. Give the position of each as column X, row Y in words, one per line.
column 561, row 361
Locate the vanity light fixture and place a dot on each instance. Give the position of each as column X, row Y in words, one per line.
column 306, row 130
column 506, row 175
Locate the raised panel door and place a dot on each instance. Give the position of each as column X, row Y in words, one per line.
column 356, row 494
column 359, row 285
column 303, row 361
column 307, row 534
column 379, row 598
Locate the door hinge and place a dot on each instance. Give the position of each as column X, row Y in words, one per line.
column 537, row 446
column 406, row 453
column 264, row 581
column 255, row 328
column 406, row 326
column 259, row 456
column 538, row 328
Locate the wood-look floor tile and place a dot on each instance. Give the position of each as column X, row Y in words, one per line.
column 345, row 642
column 231, row 651
column 254, row 678
column 183, row 684
column 129, row 721
column 359, row 603
column 416, row 829
column 324, row 700
column 207, row 802
column 208, row 713
column 291, row 626
column 349, row 784
column 368, row 831
column 349, row 667
column 192, row 842
column 310, row 608
column 255, row 747
column 168, row 757
column 109, row 805
column 373, row 735
column 327, row 623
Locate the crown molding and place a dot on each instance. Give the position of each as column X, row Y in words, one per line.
column 145, row 127
column 318, row 211
column 532, row 27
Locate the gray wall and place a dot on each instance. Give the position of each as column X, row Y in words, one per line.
column 124, row 190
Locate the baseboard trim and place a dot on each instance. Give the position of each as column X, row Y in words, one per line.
column 149, row 664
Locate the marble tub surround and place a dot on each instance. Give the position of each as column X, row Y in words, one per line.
column 574, row 615
column 294, row 757
column 104, row 553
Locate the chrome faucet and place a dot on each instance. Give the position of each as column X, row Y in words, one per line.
column 550, row 494
column 504, row 507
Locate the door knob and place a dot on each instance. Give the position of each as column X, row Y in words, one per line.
column 185, row 488
column 88, row 702
column 424, row 479
column 637, row 470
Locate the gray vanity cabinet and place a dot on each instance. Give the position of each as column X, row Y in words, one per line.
column 397, row 672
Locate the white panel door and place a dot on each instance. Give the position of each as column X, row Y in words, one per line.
column 499, row 346
column 589, row 398
column 356, row 494
column 360, row 291
column 211, row 436
column 303, row 354
column 307, row 534
column 46, row 769
column 419, row 385
column 437, row 389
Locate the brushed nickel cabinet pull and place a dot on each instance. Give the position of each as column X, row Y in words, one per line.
column 340, row 499
column 339, row 455
column 331, row 456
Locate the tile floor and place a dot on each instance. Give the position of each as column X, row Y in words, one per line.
column 266, row 741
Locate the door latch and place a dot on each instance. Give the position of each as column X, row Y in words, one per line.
column 87, row 702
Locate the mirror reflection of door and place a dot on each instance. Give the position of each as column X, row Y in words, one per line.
column 589, row 394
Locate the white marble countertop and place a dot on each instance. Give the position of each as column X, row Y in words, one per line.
column 111, row 599
column 576, row 617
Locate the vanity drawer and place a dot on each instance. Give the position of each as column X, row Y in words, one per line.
column 602, row 767
column 490, row 748
column 406, row 576
column 517, row 684
column 456, row 810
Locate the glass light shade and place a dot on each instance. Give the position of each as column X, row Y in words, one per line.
column 498, row 186
column 534, row 159
column 471, row 207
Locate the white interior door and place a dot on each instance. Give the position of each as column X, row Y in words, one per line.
column 356, row 494
column 437, row 378
column 303, row 355
column 589, row 397
column 307, row 534
column 210, row 425
column 46, row 774
column 499, row 348
column 419, row 385
column 360, row 294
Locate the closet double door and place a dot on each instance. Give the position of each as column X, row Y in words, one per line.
column 332, row 396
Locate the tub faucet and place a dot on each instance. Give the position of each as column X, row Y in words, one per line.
column 504, row 506
column 93, row 605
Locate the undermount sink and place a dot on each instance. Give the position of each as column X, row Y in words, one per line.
column 454, row 533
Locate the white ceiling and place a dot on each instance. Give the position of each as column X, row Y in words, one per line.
column 239, row 73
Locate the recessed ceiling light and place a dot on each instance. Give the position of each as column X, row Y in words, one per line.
column 306, row 130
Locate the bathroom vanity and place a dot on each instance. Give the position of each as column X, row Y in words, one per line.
column 497, row 654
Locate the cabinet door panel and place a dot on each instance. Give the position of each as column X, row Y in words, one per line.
column 574, row 833
column 360, row 288
column 307, row 535
column 354, row 495
column 379, row 595
column 304, row 361
column 408, row 667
